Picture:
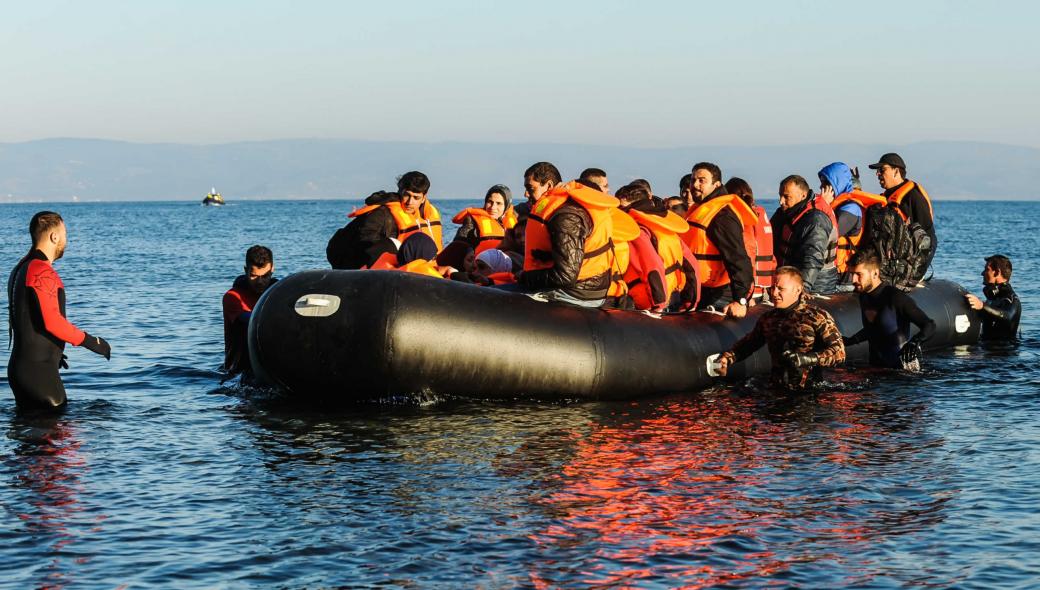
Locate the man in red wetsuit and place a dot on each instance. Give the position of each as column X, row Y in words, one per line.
column 36, row 312
column 238, row 306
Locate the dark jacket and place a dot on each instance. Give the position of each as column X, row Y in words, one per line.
column 915, row 207
column 811, row 247
column 727, row 234
column 568, row 227
column 355, row 245
column 468, row 232
column 1000, row 313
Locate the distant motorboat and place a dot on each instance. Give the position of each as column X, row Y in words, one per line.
column 213, row 198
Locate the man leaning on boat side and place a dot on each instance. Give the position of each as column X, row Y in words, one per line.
column 801, row 337
column 1002, row 310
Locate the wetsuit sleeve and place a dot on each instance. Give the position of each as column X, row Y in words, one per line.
column 1004, row 309
column 727, row 234
column 468, row 232
column 858, row 337
column 45, row 283
column 568, row 230
column 651, row 268
column 831, row 349
column 751, row 342
column 234, row 307
column 810, row 251
column 905, row 307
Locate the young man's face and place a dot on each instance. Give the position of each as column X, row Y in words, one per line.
column 865, row 278
column 259, row 276
column 412, row 201
column 535, row 190
column 990, row 276
column 702, row 184
column 790, row 195
column 786, row 292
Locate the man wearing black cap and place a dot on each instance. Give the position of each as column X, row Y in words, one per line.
column 909, row 198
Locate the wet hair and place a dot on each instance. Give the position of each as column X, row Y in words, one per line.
column 797, row 181
column 590, row 173
column 792, row 272
column 632, row 192
column 741, row 188
column 413, row 182
column 543, row 172
column 259, row 256
column 867, row 258
column 684, row 183
column 716, row 172
column 1001, row 264
column 42, row 223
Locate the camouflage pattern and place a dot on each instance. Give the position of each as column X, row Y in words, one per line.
column 801, row 328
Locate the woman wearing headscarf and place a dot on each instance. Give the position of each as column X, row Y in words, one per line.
column 483, row 229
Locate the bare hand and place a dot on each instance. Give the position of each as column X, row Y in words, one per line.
column 723, row 363
column 735, row 310
column 973, row 301
column 827, row 193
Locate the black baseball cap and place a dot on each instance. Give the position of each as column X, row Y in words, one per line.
column 890, row 159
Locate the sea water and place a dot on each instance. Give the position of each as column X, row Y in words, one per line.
column 157, row 476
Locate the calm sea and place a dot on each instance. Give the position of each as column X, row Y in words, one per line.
column 158, row 477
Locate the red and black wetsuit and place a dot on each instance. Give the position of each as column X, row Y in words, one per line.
column 238, row 306
column 36, row 298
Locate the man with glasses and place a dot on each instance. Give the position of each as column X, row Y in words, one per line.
column 801, row 337
column 908, row 197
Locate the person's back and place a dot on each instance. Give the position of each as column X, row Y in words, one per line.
column 352, row 246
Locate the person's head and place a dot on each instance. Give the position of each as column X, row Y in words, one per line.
column 412, row 188
column 788, row 288
column 596, row 176
column 631, row 193
column 890, row 170
column 793, row 190
column 416, row 246
column 705, row 178
column 493, row 261
column 48, row 233
column 497, row 200
column 539, row 178
column 997, row 270
column 677, row 205
column 684, row 190
column 741, row 188
column 259, row 268
column 865, row 267
column 835, row 179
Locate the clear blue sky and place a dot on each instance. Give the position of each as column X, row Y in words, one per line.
column 622, row 73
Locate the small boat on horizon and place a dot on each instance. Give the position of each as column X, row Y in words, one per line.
column 213, row 198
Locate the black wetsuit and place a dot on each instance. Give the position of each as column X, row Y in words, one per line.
column 1000, row 313
column 887, row 314
column 36, row 298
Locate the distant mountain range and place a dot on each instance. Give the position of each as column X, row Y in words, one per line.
column 94, row 169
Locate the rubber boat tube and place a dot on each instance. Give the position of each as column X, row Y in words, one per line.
column 345, row 336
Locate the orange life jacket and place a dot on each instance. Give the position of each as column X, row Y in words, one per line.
column 625, row 230
column 820, row 204
column 386, row 261
column 489, row 230
column 598, row 245
column 847, row 244
column 428, row 221
column 502, row 278
column 765, row 262
column 509, row 218
column 665, row 230
column 710, row 267
column 896, row 198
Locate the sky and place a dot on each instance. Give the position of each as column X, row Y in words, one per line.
column 639, row 74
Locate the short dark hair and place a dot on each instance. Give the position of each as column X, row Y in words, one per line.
column 716, row 172
column 588, row 183
column 588, row 173
column 413, row 182
column 741, row 188
column 867, row 258
column 1001, row 264
column 543, row 172
column 684, row 183
column 632, row 192
column 259, row 256
column 645, row 184
column 797, row 181
column 43, row 222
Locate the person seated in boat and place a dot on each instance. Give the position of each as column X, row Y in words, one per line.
column 496, row 266
column 765, row 262
column 887, row 314
column 485, row 228
column 664, row 276
column 238, row 303
column 515, row 239
column 685, row 194
column 1002, row 310
column 800, row 336
column 634, row 261
column 850, row 205
column 568, row 239
column 722, row 238
column 805, row 235
column 416, row 254
column 385, row 215
column 595, row 176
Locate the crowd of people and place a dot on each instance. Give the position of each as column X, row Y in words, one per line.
column 710, row 248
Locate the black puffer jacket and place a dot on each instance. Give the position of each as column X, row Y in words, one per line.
column 568, row 227
column 355, row 245
column 811, row 247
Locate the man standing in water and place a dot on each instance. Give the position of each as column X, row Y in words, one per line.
column 238, row 307
column 801, row 336
column 36, row 312
column 887, row 314
column 1002, row 309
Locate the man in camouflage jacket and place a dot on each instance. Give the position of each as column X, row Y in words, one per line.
column 801, row 336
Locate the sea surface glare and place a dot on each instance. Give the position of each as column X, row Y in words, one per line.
column 156, row 476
